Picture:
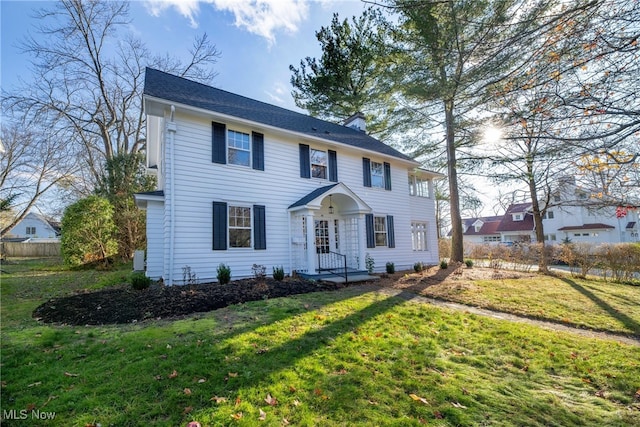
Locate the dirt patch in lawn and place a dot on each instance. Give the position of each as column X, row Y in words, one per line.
column 123, row 304
column 435, row 281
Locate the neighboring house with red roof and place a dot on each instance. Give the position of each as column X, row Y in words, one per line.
column 573, row 217
column 482, row 230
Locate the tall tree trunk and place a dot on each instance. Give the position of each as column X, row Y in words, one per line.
column 457, row 252
column 537, row 218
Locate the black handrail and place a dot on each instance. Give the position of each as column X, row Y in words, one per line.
column 334, row 263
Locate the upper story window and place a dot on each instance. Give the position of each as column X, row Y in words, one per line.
column 236, row 148
column 517, row 217
column 548, row 215
column 239, row 149
column 319, row 163
column 418, row 187
column 376, row 174
column 31, row 230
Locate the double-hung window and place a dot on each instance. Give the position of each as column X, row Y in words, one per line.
column 319, row 162
column 31, row 230
column 239, row 149
column 380, row 229
column 377, row 175
column 239, row 227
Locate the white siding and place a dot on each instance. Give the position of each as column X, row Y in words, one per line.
column 155, row 239
column 199, row 182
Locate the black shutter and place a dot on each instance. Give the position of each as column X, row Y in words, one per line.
column 218, row 143
column 387, row 176
column 259, row 227
column 391, row 235
column 333, row 166
column 371, row 236
column 305, row 162
column 366, row 172
column 219, row 226
column 257, row 141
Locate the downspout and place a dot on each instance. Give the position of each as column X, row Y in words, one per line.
column 171, row 130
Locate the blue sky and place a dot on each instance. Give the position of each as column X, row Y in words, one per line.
column 258, row 39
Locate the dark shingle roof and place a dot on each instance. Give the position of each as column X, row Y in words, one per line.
column 166, row 86
column 309, row 197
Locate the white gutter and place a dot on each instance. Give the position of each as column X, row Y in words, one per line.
column 171, row 131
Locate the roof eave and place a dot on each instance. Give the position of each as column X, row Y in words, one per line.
column 155, row 111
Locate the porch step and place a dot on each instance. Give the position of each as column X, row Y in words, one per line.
column 352, row 279
column 353, row 275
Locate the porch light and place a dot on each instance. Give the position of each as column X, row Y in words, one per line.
column 330, row 205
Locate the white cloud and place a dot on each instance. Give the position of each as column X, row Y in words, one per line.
column 278, row 93
column 261, row 17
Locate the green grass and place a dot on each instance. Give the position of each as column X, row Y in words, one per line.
column 593, row 304
column 350, row 357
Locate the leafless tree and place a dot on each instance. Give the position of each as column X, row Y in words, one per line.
column 31, row 164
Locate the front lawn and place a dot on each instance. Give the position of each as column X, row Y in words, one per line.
column 349, row 357
column 592, row 304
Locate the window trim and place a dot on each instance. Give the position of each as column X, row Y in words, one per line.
column 250, row 227
column 325, row 166
column 248, row 150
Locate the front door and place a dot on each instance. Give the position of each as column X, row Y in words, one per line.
column 327, row 232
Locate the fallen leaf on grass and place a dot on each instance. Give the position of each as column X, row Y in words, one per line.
column 232, row 374
column 35, row 384
column 341, row 372
column 187, row 409
column 238, row 400
column 438, row 415
column 292, row 389
column 458, row 405
column 263, row 415
column 296, row 402
column 173, row 374
column 31, row 407
column 285, row 422
column 237, row 416
column 69, row 374
column 600, row 393
column 187, row 391
column 202, row 380
column 271, row 400
column 418, row 398
column 637, row 395
column 218, row 399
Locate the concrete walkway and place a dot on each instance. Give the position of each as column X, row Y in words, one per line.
column 506, row 316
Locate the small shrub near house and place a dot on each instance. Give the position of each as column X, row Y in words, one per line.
column 139, row 280
column 391, row 268
column 444, row 264
column 278, row 273
column 224, row 274
column 468, row 263
column 418, row 267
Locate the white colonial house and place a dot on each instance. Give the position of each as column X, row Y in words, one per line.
column 242, row 182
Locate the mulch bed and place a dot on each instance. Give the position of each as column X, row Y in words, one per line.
column 123, row 304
